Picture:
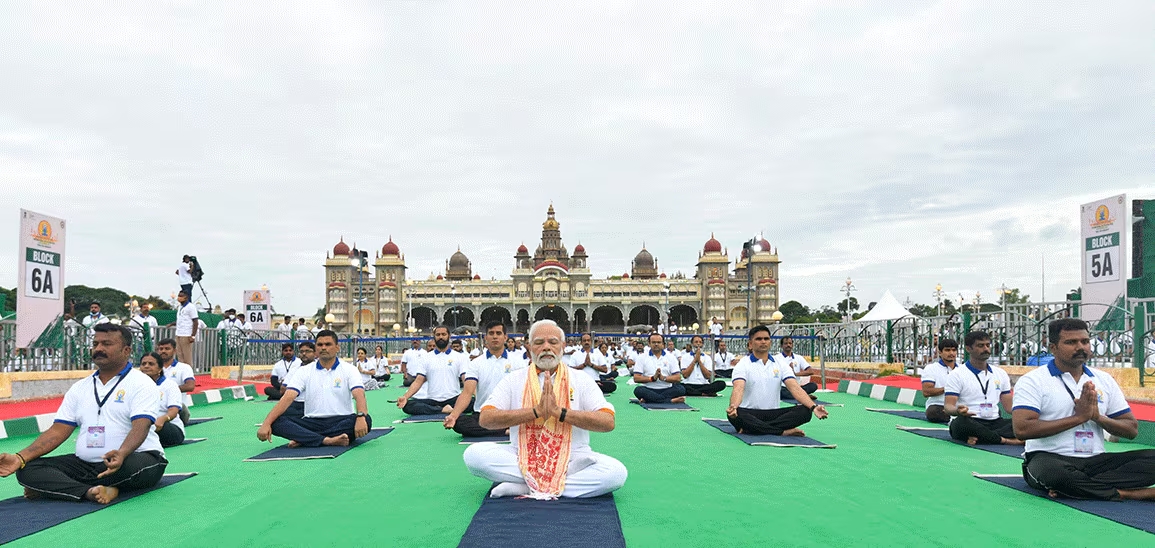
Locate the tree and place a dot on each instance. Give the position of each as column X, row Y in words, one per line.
column 924, row 310
column 794, row 312
column 842, row 304
column 77, row 298
column 1014, row 297
column 9, row 300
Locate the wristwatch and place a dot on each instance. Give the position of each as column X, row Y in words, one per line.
column 360, row 415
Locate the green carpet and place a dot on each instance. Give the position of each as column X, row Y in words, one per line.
column 690, row 485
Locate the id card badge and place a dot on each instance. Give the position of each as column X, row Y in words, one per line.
column 988, row 411
column 95, row 437
column 1084, row 441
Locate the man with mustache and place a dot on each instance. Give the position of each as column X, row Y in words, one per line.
column 117, row 447
column 586, row 360
column 550, row 411
column 974, row 394
column 657, row 374
column 758, row 381
column 410, row 357
column 436, row 379
column 1062, row 411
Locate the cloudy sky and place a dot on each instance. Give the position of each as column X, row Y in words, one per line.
column 902, row 144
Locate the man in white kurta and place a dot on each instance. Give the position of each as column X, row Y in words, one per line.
column 585, row 473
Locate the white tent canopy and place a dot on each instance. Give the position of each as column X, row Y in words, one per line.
column 887, row 308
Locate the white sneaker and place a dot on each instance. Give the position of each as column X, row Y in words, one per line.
column 509, row 489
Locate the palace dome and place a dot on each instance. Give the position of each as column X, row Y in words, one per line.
column 341, row 248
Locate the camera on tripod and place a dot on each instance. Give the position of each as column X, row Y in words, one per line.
column 195, row 269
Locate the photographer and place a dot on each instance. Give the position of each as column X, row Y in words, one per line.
column 184, row 275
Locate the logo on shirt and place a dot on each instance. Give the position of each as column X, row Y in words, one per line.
column 571, row 393
column 774, row 371
column 1101, row 394
column 507, row 368
column 119, row 396
column 337, row 383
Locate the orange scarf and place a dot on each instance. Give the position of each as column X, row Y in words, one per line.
column 543, row 444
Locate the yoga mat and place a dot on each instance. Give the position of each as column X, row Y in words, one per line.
column 562, row 523
column 422, row 418
column 283, row 452
column 192, row 422
column 489, row 439
column 23, row 517
column 190, row 441
column 906, row 413
column 767, row 439
column 1135, row 513
column 1015, row 451
column 817, row 401
column 663, row 406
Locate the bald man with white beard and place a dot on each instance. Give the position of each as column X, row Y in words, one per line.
column 550, row 412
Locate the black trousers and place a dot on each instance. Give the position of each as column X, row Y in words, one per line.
column 607, row 387
column 311, row 432
column 170, row 435
column 427, row 407
column 937, row 413
column 809, row 387
column 710, row 389
column 67, row 477
column 662, row 395
column 1096, row 477
column 408, row 380
column 770, row 421
column 613, row 374
column 989, row 432
column 467, row 425
column 724, row 373
column 382, row 378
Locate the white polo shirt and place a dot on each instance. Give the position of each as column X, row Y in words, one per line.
column 185, row 317
column 1042, row 391
column 293, row 368
column 584, row 395
column 134, row 398
column 722, row 361
column 797, row 364
column 139, row 322
column 91, row 322
column 442, row 372
column 179, row 372
column 764, row 381
column 367, row 365
column 648, row 364
column 716, row 330
column 937, row 373
column 327, row 392
column 285, row 328
column 976, row 388
column 489, row 370
column 410, row 356
column 282, row 368
column 579, row 357
column 183, row 275
column 696, row 376
column 170, row 397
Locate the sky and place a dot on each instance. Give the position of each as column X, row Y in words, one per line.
column 902, row 144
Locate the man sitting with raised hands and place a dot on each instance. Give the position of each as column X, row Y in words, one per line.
column 758, row 382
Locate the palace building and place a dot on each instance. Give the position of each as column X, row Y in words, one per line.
column 549, row 284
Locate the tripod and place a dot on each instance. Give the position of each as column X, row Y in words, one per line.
column 206, row 295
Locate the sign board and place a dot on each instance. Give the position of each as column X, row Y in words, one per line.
column 257, row 309
column 40, row 294
column 1103, row 246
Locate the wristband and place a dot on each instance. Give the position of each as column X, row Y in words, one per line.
column 23, row 462
column 535, row 413
column 562, row 417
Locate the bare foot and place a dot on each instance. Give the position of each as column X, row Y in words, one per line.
column 507, row 431
column 1053, row 494
column 293, row 444
column 793, row 432
column 30, row 494
column 640, row 400
column 679, row 399
column 972, row 440
column 1138, row 494
column 447, row 410
column 1013, row 441
column 102, row 494
column 339, row 441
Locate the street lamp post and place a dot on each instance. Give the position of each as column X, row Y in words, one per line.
column 938, row 295
column 359, row 259
column 409, row 297
column 848, row 288
column 751, row 247
column 666, row 286
column 453, row 290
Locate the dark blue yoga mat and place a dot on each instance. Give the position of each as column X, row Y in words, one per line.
column 944, row 434
column 23, row 517
column 422, row 418
column 905, row 413
column 788, row 401
column 190, row 441
column 283, row 452
column 767, row 439
column 487, row 439
column 664, row 406
column 562, row 523
column 192, row 422
column 1135, row 513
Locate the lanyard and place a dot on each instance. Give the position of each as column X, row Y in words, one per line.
column 100, row 402
column 1068, row 389
column 985, row 388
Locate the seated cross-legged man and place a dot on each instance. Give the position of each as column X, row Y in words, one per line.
column 724, row 362
column 550, row 410
column 799, row 365
column 281, row 369
column 934, row 377
column 482, row 374
column 308, row 355
column 436, row 378
column 117, row 447
column 169, row 427
column 409, row 357
column 589, row 362
column 758, row 381
column 698, row 371
column 330, row 387
column 181, row 373
column 973, row 396
column 1063, row 410
column 658, row 376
